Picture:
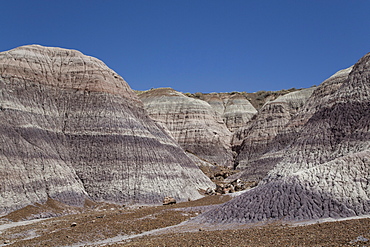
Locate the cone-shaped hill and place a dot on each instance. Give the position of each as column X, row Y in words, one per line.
column 71, row 129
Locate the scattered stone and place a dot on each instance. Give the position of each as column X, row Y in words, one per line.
column 223, row 174
column 238, row 185
column 168, row 200
column 359, row 239
column 210, row 192
column 73, row 224
column 218, row 173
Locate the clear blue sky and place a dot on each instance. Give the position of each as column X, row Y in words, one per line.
column 200, row 45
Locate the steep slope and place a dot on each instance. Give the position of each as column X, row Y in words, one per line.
column 265, row 141
column 325, row 170
column 71, row 128
column 193, row 123
column 258, row 136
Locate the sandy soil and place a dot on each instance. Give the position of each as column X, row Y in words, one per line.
column 114, row 225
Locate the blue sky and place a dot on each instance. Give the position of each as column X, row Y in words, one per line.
column 200, row 45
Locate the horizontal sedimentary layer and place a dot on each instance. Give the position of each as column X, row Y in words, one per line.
column 62, row 68
column 193, row 123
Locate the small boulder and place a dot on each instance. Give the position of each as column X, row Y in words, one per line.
column 231, row 188
column 168, row 200
column 236, row 182
column 219, row 188
column 210, row 192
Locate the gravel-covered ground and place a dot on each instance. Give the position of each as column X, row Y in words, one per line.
column 342, row 233
column 96, row 223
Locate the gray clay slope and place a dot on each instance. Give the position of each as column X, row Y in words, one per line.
column 259, row 135
column 261, row 143
column 193, row 123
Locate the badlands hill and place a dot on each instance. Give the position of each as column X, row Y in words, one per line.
column 324, row 170
column 72, row 129
column 194, row 124
column 308, row 148
column 261, row 135
column 261, row 144
column 211, row 126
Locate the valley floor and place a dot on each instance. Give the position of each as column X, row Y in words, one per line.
column 112, row 225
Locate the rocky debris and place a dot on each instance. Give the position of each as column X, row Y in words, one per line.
column 222, row 174
column 168, row 200
column 325, row 168
column 234, row 186
column 210, row 192
column 217, row 173
column 72, row 129
column 221, row 177
column 240, row 185
column 193, row 123
column 73, row 224
column 224, row 188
